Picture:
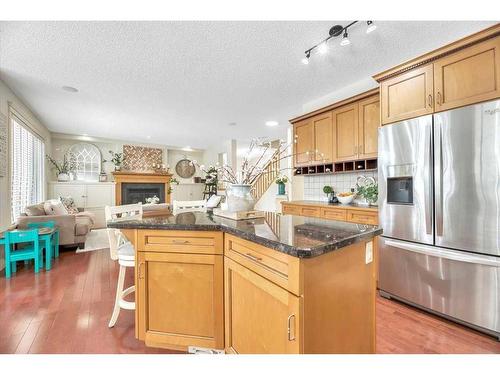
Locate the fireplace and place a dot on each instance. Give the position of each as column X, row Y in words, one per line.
column 137, row 192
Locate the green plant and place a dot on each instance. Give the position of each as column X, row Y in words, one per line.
column 62, row 167
column 173, row 180
column 117, row 158
column 327, row 190
column 368, row 192
column 281, row 180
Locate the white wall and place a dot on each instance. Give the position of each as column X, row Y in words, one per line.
column 173, row 157
column 6, row 96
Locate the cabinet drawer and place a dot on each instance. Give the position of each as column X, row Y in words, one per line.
column 334, row 214
column 310, row 211
column 291, row 209
column 179, row 241
column 362, row 217
column 282, row 269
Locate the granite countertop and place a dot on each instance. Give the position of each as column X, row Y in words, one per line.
column 298, row 236
column 352, row 206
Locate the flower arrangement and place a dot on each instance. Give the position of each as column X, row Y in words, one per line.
column 63, row 167
column 117, row 158
column 281, row 180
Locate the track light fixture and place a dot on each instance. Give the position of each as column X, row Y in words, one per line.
column 335, row 31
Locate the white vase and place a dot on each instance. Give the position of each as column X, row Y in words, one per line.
column 239, row 198
column 63, row 177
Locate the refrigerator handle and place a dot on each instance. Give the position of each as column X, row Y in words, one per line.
column 459, row 256
column 428, row 180
column 438, row 168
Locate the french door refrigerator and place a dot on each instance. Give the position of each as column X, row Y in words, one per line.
column 439, row 207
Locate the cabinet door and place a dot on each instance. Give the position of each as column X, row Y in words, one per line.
column 304, row 142
column 369, row 122
column 260, row 317
column 468, row 76
column 180, row 300
column 100, row 195
column 407, row 95
column 75, row 191
column 345, row 132
column 323, row 137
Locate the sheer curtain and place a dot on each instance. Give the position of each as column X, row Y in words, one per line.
column 27, row 166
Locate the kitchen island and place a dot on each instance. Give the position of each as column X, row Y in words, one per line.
column 280, row 284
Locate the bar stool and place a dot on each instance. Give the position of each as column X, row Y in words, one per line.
column 121, row 249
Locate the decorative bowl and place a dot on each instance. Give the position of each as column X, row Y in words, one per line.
column 346, row 200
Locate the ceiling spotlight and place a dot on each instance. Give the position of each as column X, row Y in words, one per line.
column 305, row 60
column 345, row 40
column 323, row 48
column 272, row 123
column 370, row 27
column 69, row 89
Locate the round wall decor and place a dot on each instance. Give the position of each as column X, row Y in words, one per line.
column 185, row 169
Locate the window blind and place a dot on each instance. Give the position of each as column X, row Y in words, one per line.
column 27, row 167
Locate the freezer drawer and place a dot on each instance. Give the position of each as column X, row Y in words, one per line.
column 461, row 285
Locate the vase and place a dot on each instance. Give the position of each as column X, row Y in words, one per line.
column 118, row 168
column 239, row 198
column 281, row 189
column 63, row 177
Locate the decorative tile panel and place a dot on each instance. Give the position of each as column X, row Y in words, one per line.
column 141, row 159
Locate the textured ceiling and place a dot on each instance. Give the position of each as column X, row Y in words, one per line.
column 181, row 83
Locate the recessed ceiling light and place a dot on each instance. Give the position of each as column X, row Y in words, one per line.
column 69, row 89
column 232, row 124
column 85, row 134
column 272, row 123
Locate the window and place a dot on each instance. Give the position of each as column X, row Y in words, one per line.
column 85, row 159
column 27, row 166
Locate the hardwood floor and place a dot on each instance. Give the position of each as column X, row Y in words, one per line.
column 67, row 310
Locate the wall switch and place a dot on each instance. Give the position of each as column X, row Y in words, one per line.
column 369, row 252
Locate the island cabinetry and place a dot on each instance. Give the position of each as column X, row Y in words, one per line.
column 179, row 289
column 277, row 303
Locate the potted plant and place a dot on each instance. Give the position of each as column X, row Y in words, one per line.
column 117, row 159
column 281, row 181
column 368, row 192
column 63, row 168
column 330, row 194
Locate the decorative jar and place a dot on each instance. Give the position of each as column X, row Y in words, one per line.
column 239, row 198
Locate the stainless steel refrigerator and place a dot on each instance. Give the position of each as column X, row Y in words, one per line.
column 439, row 207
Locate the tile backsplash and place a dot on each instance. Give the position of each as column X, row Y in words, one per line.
column 313, row 185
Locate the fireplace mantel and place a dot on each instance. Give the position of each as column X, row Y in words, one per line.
column 140, row 177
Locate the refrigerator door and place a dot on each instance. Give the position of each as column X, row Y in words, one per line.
column 405, row 180
column 467, row 175
column 461, row 285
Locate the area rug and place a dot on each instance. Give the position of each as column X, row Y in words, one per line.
column 97, row 239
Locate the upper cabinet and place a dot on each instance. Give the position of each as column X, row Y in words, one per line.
column 345, row 132
column 369, row 122
column 323, row 137
column 303, row 142
column 468, row 76
column 407, row 95
column 462, row 73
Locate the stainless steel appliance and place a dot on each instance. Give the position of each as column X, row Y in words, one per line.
column 439, row 206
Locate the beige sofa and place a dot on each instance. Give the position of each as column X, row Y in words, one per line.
column 73, row 228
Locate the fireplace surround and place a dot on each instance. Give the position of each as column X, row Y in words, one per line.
column 138, row 186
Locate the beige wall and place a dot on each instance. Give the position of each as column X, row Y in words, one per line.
column 6, row 97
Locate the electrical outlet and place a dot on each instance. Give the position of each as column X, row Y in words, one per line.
column 369, row 252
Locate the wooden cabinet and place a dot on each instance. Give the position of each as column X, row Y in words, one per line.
column 345, row 132
column 179, row 289
column 407, row 95
column 323, row 133
column 362, row 217
column 369, row 122
column 469, row 76
column 303, row 142
column 261, row 317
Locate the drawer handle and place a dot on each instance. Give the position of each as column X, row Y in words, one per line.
column 253, row 257
column 180, row 241
column 289, row 328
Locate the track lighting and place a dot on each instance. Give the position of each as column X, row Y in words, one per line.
column 370, row 27
column 335, row 31
column 345, row 39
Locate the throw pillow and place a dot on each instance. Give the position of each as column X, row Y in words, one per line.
column 54, row 207
column 35, row 210
column 69, row 204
